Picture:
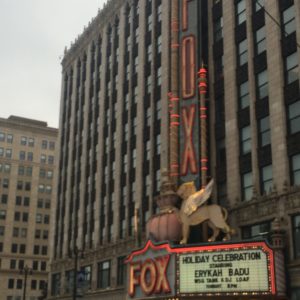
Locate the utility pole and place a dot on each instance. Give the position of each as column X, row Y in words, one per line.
column 26, row 271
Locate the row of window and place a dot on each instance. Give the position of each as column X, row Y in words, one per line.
column 266, row 178
column 18, row 284
column 22, row 233
column 5, row 168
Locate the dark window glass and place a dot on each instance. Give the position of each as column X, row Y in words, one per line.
column 257, row 231
column 266, row 175
column 246, row 140
column 294, row 117
column 288, row 20
column 296, row 235
column 104, row 274
column 260, row 40
column 295, row 168
column 242, row 52
column 291, row 68
column 264, row 131
column 241, row 12
column 218, row 29
column 262, row 84
column 247, row 186
column 121, row 271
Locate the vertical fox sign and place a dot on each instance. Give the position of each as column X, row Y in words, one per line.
column 190, row 60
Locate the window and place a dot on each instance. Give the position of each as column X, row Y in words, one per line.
column 42, row 173
column 25, row 217
column 8, row 153
column 262, row 84
column 288, row 20
column 36, row 250
column 149, row 22
column 294, row 117
column 55, row 287
column 121, row 275
column 43, row 266
column 291, row 68
column 22, row 155
column 27, row 186
column 218, row 29
column 17, row 216
column 23, row 232
column 20, row 185
column 1, row 152
column 2, row 230
column 33, row 284
column 19, row 284
column 260, row 40
column 47, row 203
column 241, row 12
column 50, row 174
column 264, row 131
column 259, row 4
column 4, row 198
column 5, row 183
column 295, row 168
column 247, row 185
column 159, row 44
column 246, row 140
column 23, row 140
column 296, row 235
column 266, row 179
column 35, row 265
column 31, row 142
column 244, row 95
column 9, row 138
column 44, row 250
column 37, row 234
column 257, row 231
column 2, row 214
column 15, row 232
column 13, row 264
column 43, row 158
column 50, row 160
column 14, row 248
column 38, row 218
column 29, row 171
column 21, row 170
column 149, row 53
column 44, row 144
column 29, row 156
column 40, row 203
column 46, row 219
column 7, row 168
column 22, row 248
column 51, row 145
column 242, row 52
column 104, row 274
column 158, row 77
column 41, row 188
column 45, row 234
column 11, row 283
column 48, row 189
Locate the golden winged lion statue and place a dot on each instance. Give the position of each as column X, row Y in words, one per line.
column 193, row 212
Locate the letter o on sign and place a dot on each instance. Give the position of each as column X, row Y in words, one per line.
column 148, row 276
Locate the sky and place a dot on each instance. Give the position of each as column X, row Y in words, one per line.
column 33, row 36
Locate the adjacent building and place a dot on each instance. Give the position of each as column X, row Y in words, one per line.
column 27, row 177
column 115, row 128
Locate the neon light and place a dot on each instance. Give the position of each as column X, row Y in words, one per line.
column 189, row 157
column 188, row 67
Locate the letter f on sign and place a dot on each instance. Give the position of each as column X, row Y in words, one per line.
column 133, row 281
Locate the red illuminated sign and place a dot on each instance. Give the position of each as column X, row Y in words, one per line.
column 150, row 275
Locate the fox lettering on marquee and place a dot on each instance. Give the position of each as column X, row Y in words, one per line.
column 150, row 276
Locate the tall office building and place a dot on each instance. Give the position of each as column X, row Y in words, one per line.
column 115, row 138
column 27, row 176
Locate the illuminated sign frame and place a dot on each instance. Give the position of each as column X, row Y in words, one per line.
column 179, row 251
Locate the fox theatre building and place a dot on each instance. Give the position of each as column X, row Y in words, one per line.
column 165, row 269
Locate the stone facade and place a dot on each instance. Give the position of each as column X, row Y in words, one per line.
column 25, row 204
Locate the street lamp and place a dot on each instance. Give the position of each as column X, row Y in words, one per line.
column 26, row 271
column 76, row 254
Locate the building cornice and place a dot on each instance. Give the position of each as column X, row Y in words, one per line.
column 96, row 25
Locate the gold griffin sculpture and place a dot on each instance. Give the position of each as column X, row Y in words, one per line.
column 194, row 212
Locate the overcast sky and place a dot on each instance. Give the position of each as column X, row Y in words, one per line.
column 33, row 35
